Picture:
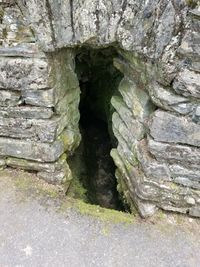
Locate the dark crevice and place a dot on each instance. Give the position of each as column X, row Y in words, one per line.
column 98, row 80
column 50, row 15
column 72, row 18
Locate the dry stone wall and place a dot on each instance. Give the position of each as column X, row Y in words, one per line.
column 38, row 114
column 157, row 110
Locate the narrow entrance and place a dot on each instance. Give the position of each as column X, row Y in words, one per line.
column 98, row 80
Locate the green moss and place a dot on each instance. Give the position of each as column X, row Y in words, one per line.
column 105, row 215
column 70, row 140
column 161, row 215
column 77, row 167
column 76, row 190
column 106, row 230
column 125, row 195
column 31, row 186
column 97, row 212
column 174, row 186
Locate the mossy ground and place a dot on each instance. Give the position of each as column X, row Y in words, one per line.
column 29, row 186
column 76, row 190
column 105, row 215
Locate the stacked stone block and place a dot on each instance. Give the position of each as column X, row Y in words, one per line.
column 38, row 122
column 39, row 98
column 158, row 158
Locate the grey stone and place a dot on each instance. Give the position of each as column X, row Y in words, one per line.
column 16, row 27
column 196, row 114
column 39, row 17
column 127, row 153
column 166, row 99
column 125, row 23
column 187, row 83
column 133, row 67
column 36, row 151
column 35, row 166
column 174, row 208
column 174, row 153
column 184, row 181
column 22, row 50
column 37, row 130
column 189, row 47
column 61, row 11
column 152, row 168
column 26, row 112
column 166, row 127
column 166, row 24
column 146, row 209
column 19, row 128
column 129, row 134
column 2, row 163
column 62, row 75
column 40, row 98
column 197, row 111
column 71, row 117
column 195, row 212
column 71, row 98
column 23, row 73
column 63, row 176
column 191, row 173
column 190, row 200
column 158, row 53
column 126, row 116
column 70, row 138
column 9, row 98
column 136, row 99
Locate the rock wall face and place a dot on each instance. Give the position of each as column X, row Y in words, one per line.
column 157, row 109
column 38, row 113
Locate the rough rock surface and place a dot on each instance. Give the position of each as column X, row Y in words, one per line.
column 157, row 108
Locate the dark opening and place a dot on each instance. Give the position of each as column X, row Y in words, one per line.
column 99, row 81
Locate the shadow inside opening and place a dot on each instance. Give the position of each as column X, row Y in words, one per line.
column 92, row 163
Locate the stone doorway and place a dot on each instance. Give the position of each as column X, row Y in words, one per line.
column 99, row 81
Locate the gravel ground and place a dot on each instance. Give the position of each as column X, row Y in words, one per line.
column 34, row 233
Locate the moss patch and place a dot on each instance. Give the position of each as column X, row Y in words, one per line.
column 105, row 215
column 29, row 185
column 76, row 190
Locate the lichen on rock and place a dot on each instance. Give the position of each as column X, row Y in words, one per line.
column 155, row 107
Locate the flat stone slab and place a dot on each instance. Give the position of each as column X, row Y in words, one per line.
column 166, row 127
column 42, row 152
column 187, row 83
column 38, row 230
column 23, row 73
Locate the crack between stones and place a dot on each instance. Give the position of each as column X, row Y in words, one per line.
column 97, row 20
column 50, row 15
column 72, row 18
column 124, row 5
